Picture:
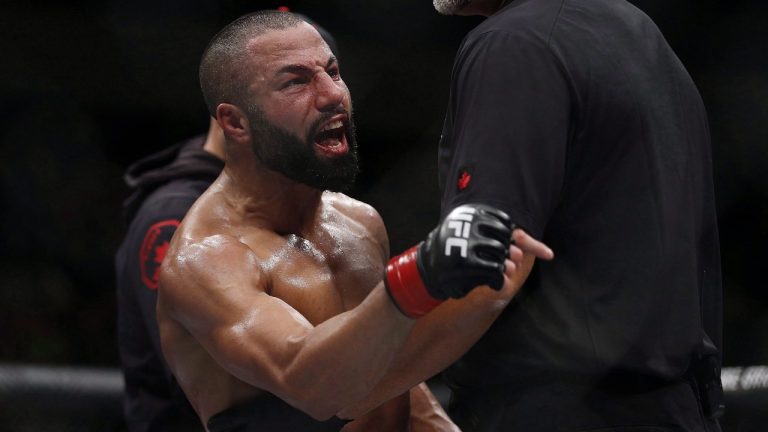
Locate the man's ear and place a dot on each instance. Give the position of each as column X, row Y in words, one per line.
column 233, row 122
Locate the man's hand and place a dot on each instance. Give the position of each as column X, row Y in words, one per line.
column 426, row 413
column 523, row 244
column 468, row 249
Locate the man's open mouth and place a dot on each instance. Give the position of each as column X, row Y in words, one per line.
column 332, row 138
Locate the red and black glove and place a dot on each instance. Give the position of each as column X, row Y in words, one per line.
column 466, row 250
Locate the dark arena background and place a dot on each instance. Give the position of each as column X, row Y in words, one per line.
column 87, row 87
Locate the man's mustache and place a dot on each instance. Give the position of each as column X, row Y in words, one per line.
column 314, row 129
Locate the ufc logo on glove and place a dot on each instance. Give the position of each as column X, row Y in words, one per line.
column 460, row 221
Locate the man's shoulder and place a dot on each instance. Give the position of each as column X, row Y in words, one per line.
column 365, row 221
column 354, row 209
column 524, row 18
column 199, row 259
column 191, row 249
column 517, row 27
column 542, row 20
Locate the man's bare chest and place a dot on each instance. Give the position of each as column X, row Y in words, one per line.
column 321, row 276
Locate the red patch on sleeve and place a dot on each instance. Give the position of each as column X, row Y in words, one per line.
column 153, row 250
column 464, row 179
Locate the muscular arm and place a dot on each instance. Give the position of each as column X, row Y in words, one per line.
column 442, row 336
column 414, row 410
column 215, row 290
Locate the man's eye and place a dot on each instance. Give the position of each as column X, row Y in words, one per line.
column 334, row 73
column 295, row 81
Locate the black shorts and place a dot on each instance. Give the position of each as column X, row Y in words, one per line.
column 268, row 413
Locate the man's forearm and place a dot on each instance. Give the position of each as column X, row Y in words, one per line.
column 436, row 341
column 439, row 339
column 339, row 363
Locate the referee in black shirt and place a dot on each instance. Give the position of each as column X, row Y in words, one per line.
column 577, row 119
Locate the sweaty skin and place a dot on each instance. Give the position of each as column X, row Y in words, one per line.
column 236, row 285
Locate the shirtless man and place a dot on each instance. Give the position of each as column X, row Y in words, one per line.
column 273, row 285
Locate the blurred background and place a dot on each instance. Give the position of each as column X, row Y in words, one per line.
column 87, row 87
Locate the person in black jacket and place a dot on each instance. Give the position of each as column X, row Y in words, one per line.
column 165, row 185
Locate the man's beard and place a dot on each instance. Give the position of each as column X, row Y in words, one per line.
column 450, row 7
column 286, row 153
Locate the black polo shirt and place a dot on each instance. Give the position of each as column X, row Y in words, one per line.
column 576, row 118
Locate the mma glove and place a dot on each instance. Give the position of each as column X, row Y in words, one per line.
column 466, row 250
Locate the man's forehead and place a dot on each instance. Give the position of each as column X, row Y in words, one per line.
column 297, row 43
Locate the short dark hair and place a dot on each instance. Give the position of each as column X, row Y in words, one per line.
column 219, row 65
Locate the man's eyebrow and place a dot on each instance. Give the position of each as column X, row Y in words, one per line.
column 299, row 69
column 294, row 68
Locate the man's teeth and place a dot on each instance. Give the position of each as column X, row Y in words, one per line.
column 332, row 125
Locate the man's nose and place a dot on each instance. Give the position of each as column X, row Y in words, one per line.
column 330, row 92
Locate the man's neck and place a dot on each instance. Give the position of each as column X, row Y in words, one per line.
column 214, row 141
column 270, row 200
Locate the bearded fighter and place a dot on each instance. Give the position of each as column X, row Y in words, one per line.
column 272, row 286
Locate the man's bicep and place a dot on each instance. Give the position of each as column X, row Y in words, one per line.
column 257, row 343
column 224, row 305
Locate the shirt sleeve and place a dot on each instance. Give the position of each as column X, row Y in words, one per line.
column 146, row 244
column 506, row 132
